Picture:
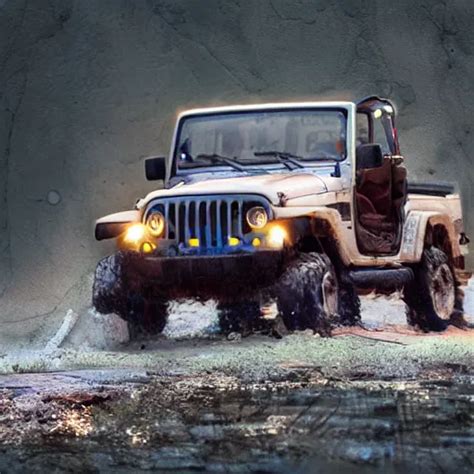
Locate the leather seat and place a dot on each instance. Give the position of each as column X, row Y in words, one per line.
column 374, row 197
column 380, row 195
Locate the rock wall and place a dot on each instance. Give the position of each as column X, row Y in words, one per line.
column 88, row 89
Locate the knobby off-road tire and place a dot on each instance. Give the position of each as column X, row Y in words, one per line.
column 112, row 294
column 349, row 301
column 109, row 294
column 308, row 294
column 434, row 300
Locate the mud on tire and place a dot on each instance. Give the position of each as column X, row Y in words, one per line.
column 109, row 293
column 434, row 300
column 112, row 294
column 300, row 297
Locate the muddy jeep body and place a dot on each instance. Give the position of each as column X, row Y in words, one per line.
column 330, row 210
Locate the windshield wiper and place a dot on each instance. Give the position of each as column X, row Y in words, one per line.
column 282, row 157
column 215, row 158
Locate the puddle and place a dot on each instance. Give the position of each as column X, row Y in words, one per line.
column 217, row 424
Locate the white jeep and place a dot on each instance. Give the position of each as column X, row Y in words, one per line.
column 282, row 212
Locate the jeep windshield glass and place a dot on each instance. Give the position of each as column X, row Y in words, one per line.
column 253, row 138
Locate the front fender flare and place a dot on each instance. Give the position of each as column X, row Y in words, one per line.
column 113, row 225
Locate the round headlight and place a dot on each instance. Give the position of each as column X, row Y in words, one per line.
column 257, row 217
column 156, row 223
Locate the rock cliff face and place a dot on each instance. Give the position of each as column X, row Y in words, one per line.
column 88, row 89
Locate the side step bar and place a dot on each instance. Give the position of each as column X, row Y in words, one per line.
column 388, row 279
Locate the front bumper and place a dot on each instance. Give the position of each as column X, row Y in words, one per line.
column 209, row 276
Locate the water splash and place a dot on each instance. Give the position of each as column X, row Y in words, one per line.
column 191, row 318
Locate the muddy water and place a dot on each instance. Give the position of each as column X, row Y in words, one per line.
column 212, row 423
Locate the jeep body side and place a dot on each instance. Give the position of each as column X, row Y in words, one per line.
column 264, row 205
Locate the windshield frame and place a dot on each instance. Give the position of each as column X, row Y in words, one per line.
column 343, row 107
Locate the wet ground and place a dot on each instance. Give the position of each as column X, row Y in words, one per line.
column 139, row 422
column 383, row 398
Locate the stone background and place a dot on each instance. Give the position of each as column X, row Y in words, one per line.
column 89, row 88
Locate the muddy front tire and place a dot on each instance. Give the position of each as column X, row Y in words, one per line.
column 434, row 300
column 112, row 294
column 109, row 293
column 307, row 294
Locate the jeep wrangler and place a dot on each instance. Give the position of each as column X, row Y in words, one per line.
column 284, row 212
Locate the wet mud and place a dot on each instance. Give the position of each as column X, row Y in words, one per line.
column 379, row 398
column 300, row 422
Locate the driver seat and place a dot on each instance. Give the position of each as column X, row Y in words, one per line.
column 374, row 196
column 380, row 196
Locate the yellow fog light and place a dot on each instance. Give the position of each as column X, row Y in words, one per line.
column 233, row 241
column 193, row 242
column 256, row 242
column 148, row 247
column 276, row 237
column 134, row 233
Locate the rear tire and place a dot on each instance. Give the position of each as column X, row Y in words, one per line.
column 434, row 300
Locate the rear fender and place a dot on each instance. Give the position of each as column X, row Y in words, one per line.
column 423, row 228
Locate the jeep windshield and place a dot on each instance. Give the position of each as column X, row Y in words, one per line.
column 291, row 138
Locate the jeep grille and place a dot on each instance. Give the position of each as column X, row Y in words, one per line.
column 211, row 219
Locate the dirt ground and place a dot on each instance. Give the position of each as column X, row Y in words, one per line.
column 383, row 398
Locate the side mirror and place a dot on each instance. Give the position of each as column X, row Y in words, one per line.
column 369, row 156
column 155, row 168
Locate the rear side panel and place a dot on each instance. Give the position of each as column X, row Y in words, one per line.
column 422, row 213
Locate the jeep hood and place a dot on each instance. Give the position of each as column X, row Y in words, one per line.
column 292, row 185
